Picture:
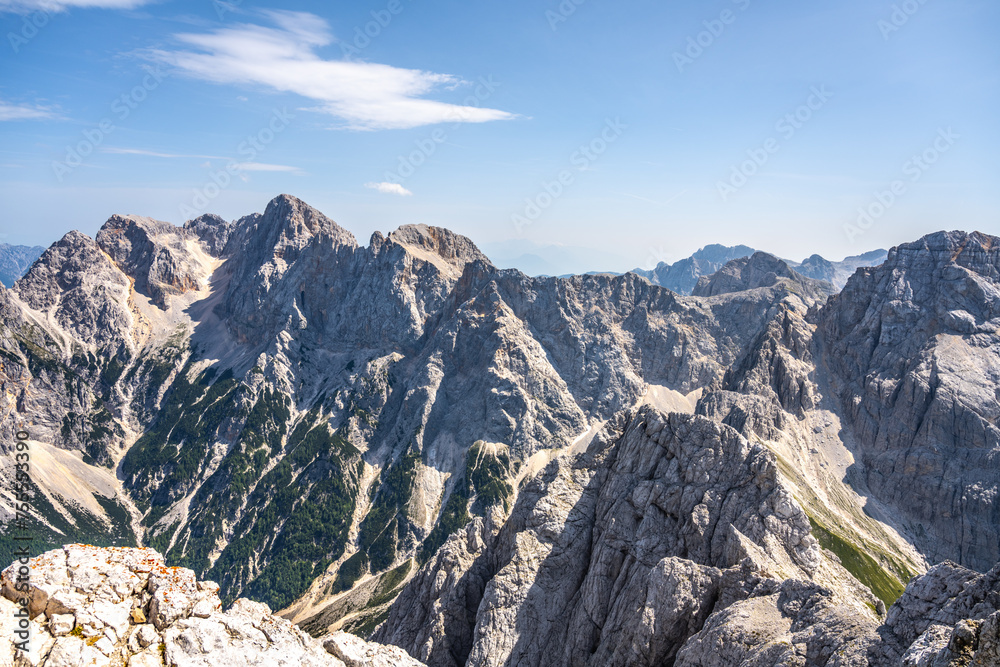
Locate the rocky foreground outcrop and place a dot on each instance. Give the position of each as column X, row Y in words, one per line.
column 97, row 607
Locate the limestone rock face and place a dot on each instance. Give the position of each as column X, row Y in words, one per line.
column 307, row 421
column 79, row 290
column 214, row 232
column 156, row 255
column 946, row 618
column 621, row 555
column 115, row 607
column 915, row 358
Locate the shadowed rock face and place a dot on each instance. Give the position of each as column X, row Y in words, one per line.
column 913, row 348
column 673, row 541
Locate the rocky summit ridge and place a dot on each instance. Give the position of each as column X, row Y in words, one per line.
column 83, row 605
column 484, row 468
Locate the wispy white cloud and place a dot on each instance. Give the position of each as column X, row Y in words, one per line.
column 260, row 166
column 140, row 151
column 389, row 188
column 63, row 5
column 24, row 112
column 366, row 96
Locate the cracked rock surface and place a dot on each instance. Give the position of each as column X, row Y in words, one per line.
column 118, row 607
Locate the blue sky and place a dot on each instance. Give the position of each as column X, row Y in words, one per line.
column 628, row 133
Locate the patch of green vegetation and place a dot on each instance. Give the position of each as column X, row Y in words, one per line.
column 113, row 369
column 41, row 361
column 365, row 625
column 453, row 517
column 350, row 571
column 390, row 585
column 161, row 541
column 488, row 475
column 485, row 482
column 299, row 525
column 387, row 517
column 865, row 569
column 177, row 444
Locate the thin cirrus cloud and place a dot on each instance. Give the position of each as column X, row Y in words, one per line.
column 389, row 188
column 261, row 166
column 365, row 96
column 24, row 112
column 63, row 5
column 236, row 166
column 140, row 151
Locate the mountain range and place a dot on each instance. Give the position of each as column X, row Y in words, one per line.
column 682, row 276
column 730, row 460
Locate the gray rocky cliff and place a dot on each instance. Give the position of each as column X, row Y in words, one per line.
column 624, row 554
column 912, row 349
column 156, row 256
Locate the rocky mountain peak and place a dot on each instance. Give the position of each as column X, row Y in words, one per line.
column 759, row 270
column 682, row 276
column 79, row 289
column 291, row 221
column 977, row 252
column 160, row 258
column 453, row 248
column 212, row 230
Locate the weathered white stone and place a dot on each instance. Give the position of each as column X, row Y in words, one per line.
column 100, row 588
